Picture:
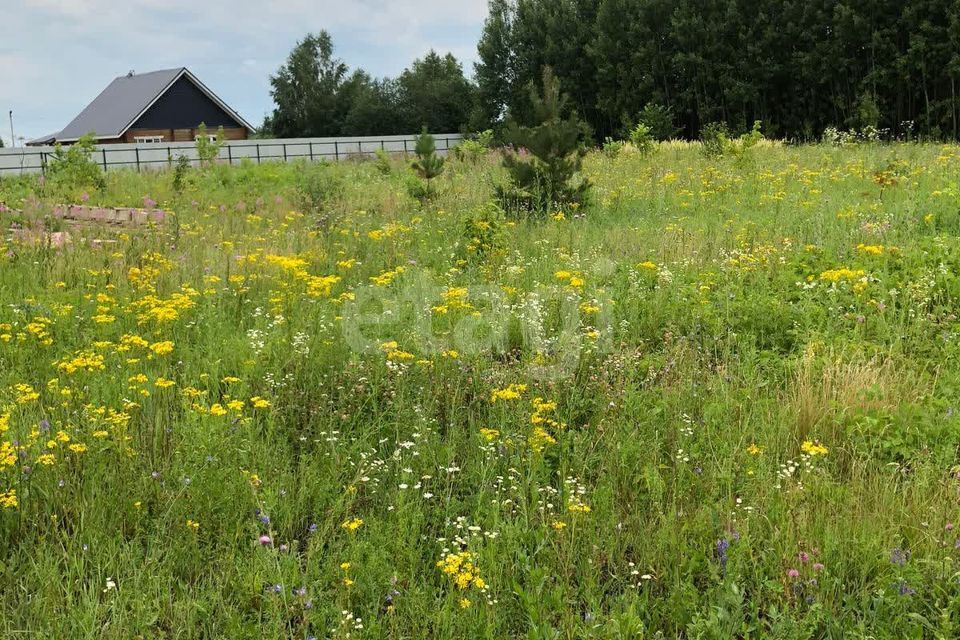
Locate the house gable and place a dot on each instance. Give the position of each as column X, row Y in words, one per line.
column 184, row 106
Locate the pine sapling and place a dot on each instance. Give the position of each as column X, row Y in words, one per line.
column 429, row 164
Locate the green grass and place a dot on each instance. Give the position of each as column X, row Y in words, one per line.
column 733, row 412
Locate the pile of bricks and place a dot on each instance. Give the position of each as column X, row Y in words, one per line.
column 115, row 215
column 81, row 214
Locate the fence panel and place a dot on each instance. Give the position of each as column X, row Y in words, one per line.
column 156, row 156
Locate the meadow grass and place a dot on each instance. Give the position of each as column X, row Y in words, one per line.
column 718, row 402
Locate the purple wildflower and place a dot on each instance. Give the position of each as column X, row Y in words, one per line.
column 904, row 589
column 723, row 545
column 899, row 556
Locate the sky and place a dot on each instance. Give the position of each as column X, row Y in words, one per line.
column 57, row 55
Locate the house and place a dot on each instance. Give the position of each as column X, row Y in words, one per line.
column 154, row 107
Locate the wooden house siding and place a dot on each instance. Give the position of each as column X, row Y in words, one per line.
column 183, row 135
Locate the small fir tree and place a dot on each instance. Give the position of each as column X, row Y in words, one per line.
column 429, row 164
column 545, row 167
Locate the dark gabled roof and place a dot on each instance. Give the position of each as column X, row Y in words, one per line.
column 42, row 140
column 126, row 99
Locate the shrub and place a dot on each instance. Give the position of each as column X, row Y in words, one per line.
column 429, row 164
column 483, row 232
column 642, row 139
column 73, row 167
column 717, row 142
column 317, row 187
column 868, row 112
column 545, row 168
column 659, row 121
column 416, row 188
column 382, row 162
column 473, row 149
column 612, row 148
column 180, row 173
column 208, row 150
column 715, row 137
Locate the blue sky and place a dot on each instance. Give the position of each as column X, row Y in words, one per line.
column 57, row 55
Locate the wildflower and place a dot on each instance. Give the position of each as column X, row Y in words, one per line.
column 904, row 589
column 8, row 499
column 25, row 393
column 558, row 525
column 511, row 392
column 352, row 525
column 265, row 540
column 754, row 450
column 870, row 250
column 162, row 348
column 462, row 570
column 259, row 403
column 193, row 525
column 723, row 545
column 813, row 448
column 899, row 556
column 793, row 573
column 841, row 274
column 578, row 507
column 539, row 439
column 8, row 456
column 217, row 410
column 465, row 603
column 489, row 434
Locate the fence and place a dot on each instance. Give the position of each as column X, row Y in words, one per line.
column 143, row 156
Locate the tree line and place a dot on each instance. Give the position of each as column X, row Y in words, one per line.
column 799, row 66
column 316, row 95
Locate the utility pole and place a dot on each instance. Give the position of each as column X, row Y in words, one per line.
column 13, row 141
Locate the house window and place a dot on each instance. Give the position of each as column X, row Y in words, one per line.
column 147, row 139
column 210, row 138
